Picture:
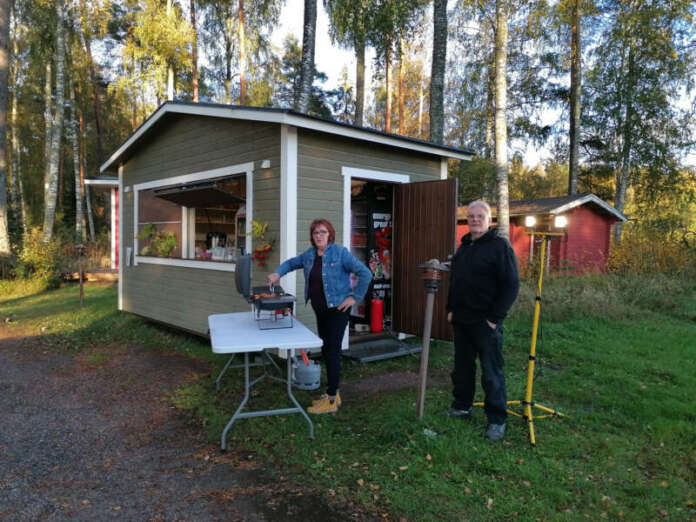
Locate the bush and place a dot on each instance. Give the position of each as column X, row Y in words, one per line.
column 646, row 251
column 609, row 296
column 7, row 266
column 39, row 259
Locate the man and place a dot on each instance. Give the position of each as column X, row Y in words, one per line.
column 483, row 285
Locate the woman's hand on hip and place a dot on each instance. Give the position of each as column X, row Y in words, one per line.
column 273, row 278
column 346, row 304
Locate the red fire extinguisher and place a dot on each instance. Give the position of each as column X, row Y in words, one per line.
column 376, row 314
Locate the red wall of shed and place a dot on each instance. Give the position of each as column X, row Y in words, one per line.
column 518, row 239
column 585, row 249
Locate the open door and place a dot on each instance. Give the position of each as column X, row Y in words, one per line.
column 425, row 224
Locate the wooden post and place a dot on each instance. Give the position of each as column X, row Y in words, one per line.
column 431, row 278
column 81, row 269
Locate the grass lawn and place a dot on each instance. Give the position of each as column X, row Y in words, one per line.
column 618, row 358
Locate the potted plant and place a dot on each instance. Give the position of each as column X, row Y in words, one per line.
column 161, row 244
column 262, row 251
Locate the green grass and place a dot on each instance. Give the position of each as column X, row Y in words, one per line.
column 616, row 355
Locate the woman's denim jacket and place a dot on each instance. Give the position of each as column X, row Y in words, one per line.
column 337, row 265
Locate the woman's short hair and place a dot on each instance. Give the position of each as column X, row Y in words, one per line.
column 480, row 203
column 327, row 224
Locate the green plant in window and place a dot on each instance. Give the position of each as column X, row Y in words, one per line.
column 161, row 244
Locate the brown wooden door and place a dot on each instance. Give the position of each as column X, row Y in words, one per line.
column 424, row 228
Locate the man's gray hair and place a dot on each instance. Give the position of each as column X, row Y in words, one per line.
column 480, row 203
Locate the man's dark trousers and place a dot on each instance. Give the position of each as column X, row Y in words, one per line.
column 472, row 340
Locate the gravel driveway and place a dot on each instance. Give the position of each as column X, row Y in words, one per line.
column 84, row 437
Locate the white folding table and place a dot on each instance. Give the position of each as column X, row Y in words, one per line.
column 239, row 333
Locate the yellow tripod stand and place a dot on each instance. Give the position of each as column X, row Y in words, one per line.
column 528, row 403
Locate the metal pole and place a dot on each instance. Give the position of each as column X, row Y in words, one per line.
column 532, row 349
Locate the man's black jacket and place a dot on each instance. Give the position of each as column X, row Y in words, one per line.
column 484, row 281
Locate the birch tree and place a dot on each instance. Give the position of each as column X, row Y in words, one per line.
column 309, row 29
column 51, row 182
column 575, row 96
column 16, row 190
column 437, row 74
column 4, row 91
column 634, row 123
column 501, row 144
column 74, row 136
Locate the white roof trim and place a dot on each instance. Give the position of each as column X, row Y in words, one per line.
column 238, row 113
column 102, row 182
column 586, row 199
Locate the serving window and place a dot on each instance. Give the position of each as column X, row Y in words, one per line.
column 218, row 228
column 196, row 217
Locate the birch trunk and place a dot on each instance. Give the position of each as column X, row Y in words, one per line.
column 4, row 91
column 501, row 167
column 437, row 72
column 12, row 163
column 307, row 67
column 48, row 116
column 575, row 99
column 489, row 138
column 622, row 176
column 18, row 193
column 90, row 218
column 51, row 185
column 20, row 205
column 74, row 134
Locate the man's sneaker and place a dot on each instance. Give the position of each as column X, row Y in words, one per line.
column 495, row 432
column 324, row 406
column 454, row 413
column 325, row 396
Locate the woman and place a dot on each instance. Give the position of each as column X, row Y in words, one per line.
column 327, row 269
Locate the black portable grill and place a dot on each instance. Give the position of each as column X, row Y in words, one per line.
column 273, row 307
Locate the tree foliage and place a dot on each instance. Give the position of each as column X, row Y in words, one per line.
column 636, row 136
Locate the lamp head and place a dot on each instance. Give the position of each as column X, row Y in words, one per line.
column 529, row 221
column 560, row 222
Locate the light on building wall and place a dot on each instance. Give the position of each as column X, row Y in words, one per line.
column 529, row 221
column 560, row 222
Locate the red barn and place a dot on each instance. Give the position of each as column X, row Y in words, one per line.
column 585, row 246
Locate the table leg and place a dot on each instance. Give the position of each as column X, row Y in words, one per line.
column 292, row 398
column 242, row 404
column 219, row 378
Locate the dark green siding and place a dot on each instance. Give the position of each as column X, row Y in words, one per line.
column 180, row 296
